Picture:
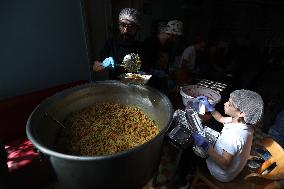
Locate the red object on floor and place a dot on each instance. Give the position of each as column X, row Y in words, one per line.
column 20, row 152
column 25, row 166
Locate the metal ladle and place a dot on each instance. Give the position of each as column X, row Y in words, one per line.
column 131, row 62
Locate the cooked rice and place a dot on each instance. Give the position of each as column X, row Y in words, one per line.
column 106, row 128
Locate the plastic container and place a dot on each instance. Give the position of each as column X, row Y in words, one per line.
column 190, row 92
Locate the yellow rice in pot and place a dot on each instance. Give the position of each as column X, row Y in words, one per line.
column 104, row 129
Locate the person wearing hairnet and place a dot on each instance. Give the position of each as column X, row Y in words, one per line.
column 115, row 49
column 157, row 53
column 232, row 149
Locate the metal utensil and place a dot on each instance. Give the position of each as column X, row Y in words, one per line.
column 131, row 62
column 55, row 120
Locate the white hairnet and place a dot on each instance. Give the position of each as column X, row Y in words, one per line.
column 161, row 26
column 174, row 27
column 130, row 14
column 250, row 103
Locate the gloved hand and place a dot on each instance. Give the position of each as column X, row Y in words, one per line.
column 108, row 62
column 205, row 102
column 201, row 141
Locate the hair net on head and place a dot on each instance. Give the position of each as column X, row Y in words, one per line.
column 174, row 27
column 250, row 103
column 130, row 14
column 161, row 26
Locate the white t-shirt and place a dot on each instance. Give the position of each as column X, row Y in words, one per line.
column 189, row 56
column 236, row 139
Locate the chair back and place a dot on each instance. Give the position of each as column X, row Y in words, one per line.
column 277, row 157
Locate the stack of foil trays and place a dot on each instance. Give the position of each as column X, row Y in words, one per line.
column 180, row 135
column 219, row 87
column 186, row 122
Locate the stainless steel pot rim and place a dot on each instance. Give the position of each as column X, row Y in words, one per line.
column 49, row 152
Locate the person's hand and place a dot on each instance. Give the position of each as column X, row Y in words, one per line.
column 108, row 62
column 201, row 141
column 205, row 102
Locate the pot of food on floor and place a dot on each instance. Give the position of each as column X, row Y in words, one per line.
column 102, row 135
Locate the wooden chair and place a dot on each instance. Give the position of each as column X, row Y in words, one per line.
column 248, row 179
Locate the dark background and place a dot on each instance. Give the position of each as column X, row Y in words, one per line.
column 43, row 43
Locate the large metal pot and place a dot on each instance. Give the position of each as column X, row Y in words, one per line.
column 129, row 169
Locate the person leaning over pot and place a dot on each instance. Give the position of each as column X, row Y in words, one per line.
column 116, row 48
column 232, row 149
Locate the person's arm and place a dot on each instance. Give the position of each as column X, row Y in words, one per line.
column 223, row 160
column 104, row 53
column 211, row 108
column 97, row 66
column 218, row 116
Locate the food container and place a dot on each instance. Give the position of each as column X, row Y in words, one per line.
column 127, row 169
column 190, row 92
column 135, row 78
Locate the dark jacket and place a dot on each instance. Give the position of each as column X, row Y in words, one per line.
column 117, row 49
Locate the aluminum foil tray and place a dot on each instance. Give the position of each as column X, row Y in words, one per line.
column 211, row 135
column 184, row 123
column 135, row 78
column 219, row 87
column 180, row 136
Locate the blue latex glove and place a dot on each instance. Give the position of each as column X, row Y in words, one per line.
column 205, row 102
column 201, row 141
column 108, row 62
